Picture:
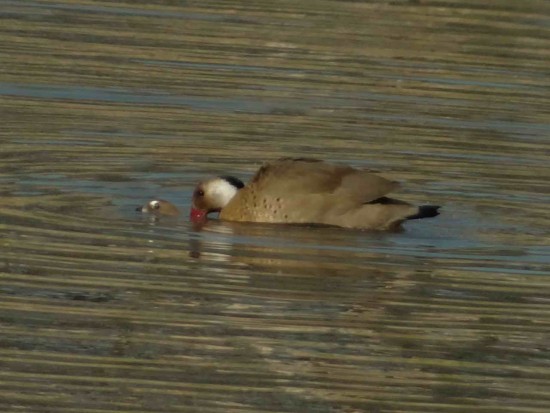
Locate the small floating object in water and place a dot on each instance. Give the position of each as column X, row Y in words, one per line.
column 159, row 207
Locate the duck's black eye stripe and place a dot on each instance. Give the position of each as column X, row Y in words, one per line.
column 236, row 182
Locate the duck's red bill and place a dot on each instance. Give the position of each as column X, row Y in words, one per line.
column 197, row 215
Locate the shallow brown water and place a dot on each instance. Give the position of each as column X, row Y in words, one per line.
column 107, row 103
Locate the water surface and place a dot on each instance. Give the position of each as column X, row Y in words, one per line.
column 105, row 104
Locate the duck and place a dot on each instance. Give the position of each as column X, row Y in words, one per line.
column 307, row 191
column 159, row 207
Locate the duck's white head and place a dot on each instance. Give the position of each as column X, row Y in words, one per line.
column 213, row 195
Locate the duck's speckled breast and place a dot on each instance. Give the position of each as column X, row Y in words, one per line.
column 249, row 205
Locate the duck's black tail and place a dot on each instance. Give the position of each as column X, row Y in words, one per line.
column 426, row 211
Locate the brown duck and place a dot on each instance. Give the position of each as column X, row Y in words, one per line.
column 307, row 191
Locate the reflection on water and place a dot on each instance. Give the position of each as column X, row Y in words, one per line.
column 105, row 105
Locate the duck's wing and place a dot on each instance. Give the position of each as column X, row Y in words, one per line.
column 290, row 177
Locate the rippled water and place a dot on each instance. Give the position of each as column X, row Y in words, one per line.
column 105, row 104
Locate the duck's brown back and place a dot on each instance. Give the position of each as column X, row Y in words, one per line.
column 310, row 176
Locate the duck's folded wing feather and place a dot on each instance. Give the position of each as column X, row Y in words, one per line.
column 287, row 176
